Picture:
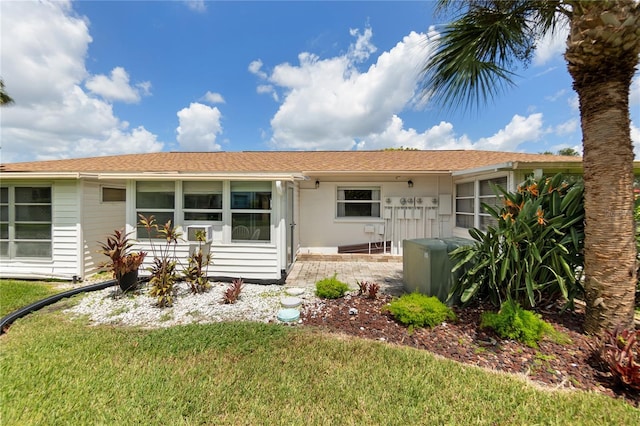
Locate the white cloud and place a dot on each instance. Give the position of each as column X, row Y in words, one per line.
column 255, row 67
column 330, row 104
column 199, row 127
column 362, row 48
column 44, row 69
column 635, row 140
column 117, row 87
column 634, row 93
column 213, row 98
column 568, row 127
column 519, row 130
column 551, row 46
column 196, row 5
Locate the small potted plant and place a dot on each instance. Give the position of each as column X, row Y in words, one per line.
column 124, row 264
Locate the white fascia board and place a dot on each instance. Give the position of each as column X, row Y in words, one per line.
column 46, row 175
column 485, row 169
column 201, row 176
column 377, row 172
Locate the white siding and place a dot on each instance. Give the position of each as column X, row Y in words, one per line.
column 321, row 231
column 246, row 261
column 99, row 219
column 64, row 263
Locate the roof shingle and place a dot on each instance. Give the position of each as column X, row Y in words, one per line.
column 286, row 162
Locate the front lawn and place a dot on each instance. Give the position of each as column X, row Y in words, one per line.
column 60, row 371
column 17, row 294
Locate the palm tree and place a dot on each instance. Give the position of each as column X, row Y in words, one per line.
column 5, row 99
column 474, row 59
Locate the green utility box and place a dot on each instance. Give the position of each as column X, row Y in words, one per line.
column 427, row 266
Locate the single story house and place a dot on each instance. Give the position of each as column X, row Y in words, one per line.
column 259, row 210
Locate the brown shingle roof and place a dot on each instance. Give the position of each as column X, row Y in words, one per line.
column 286, row 161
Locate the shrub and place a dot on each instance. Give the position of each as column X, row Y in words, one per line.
column 331, row 288
column 535, row 251
column 419, row 310
column 514, row 322
column 620, row 352
column 232, row 293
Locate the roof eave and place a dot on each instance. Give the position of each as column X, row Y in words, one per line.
column 201, row 176
column 509, row 165
column 46, row 175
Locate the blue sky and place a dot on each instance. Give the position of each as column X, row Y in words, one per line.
column 101, row 78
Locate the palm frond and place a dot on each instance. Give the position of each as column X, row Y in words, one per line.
column 475, row 56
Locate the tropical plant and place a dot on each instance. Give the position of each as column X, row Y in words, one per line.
column 164, row 271
column 196, row 272
column 533, row 254
column 232, row 293
column 620, row 352
column 331, row 288
column 475, row 56
column 117, row 248
column 367, row 289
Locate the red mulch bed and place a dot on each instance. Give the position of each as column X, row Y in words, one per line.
column 556, row 365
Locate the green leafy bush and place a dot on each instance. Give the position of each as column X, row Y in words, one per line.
column 534, row 252
column 331, row 288
column 419, row 310
column 514, row 322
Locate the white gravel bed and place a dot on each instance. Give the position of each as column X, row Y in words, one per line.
column 256, row 303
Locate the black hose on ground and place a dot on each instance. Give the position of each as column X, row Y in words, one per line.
column 7, row 320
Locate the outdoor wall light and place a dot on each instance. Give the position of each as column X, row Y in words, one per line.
column 317, row 184
column 410, row 183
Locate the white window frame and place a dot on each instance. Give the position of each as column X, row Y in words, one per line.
column 477, row 198
column 215, row 187
column 372, row 201
column 149, row 211
column 121, row 190
column 12, row 241
column 253, row 235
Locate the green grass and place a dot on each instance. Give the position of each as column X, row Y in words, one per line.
column 17, row 294
column 58, row 371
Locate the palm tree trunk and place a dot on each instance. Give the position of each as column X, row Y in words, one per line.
column 602, row 54
column 610, row 251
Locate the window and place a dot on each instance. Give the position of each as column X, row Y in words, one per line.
column 469, row 199
column 358, row 202
column 25, row 222
column 202, row 201
column 113, row 195
column 157, row 199
column 488, row 196
column 251, row 211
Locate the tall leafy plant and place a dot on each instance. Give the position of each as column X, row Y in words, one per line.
column 533, row 253
column 164, row 273
column 196, row 272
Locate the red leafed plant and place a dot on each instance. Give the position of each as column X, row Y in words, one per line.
column 232, row 292
column 620, row 350
column 370, row 290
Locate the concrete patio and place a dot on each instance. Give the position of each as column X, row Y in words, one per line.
column 384, row 270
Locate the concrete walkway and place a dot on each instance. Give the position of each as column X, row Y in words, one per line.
column 383, row 270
